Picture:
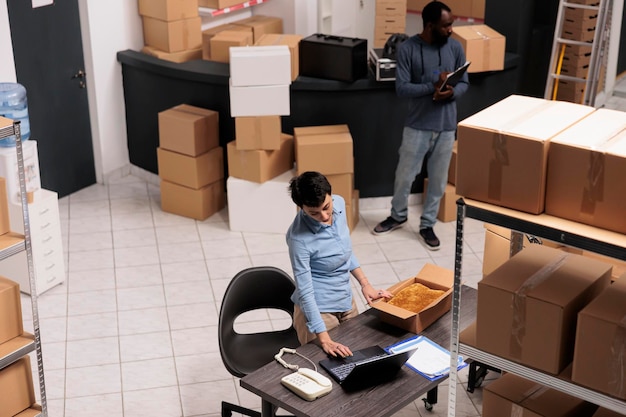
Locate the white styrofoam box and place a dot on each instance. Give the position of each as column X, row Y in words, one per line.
column 8, row 169
column 264, row 100
column 260, row 65
column 46, row 244
column 261, row 207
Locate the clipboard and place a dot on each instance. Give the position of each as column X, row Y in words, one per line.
column 430, row 360
column 454, row 77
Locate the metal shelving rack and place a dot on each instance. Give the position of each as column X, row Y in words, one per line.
column 549, row 227
column 11, row 244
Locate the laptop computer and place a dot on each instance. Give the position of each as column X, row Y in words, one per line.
column 366, row 367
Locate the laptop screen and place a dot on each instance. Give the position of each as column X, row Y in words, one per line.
column 367, row 367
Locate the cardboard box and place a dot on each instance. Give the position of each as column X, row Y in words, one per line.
column 483, row 46
column 221, row 43
column 182, row 56
column 16, row 386
column 619, row 267
column 605, row 412
column 352, row 210
column 10, row 310
column 329, row 153
column 601, row 343
column 218, row 4
column 317, row 130
column 432, row 276
column 292, row 42
column 498, row 246
column 447, row 204
column 5, row 221
column 511, row 395
column 189, row 130
column 452, row 166
column 191, row 171
column 503, row 150
column 343, row 185
column 174, row 36
column 256, row 133
column 260, row 65
column 260, row 165
column 527, row 307
column 460, row 8
column 264, row 100
column 188, row 202
column 209, row 33
column 261, row 25
column 168, row 10
column 261, row 207
column 585, row 168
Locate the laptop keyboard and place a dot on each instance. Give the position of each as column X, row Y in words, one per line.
column 342, row 371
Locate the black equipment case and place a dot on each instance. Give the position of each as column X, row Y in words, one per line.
column 333, row 57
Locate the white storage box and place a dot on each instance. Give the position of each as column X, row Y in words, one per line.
column 47, row 244
column 8, row 169
column 266, row 100
column 260, row 65
column 260, row 207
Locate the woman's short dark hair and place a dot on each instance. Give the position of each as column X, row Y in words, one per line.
column 432, row 12
column 309, row 189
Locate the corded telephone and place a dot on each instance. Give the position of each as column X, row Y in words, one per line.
column 307, row 383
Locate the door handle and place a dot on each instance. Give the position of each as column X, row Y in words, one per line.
column 81, row 76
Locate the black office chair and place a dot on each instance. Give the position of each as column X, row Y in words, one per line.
column 255, row 288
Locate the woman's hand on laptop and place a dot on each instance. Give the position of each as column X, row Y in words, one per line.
column 333, row 348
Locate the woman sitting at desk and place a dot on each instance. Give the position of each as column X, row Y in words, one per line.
column 321, row 256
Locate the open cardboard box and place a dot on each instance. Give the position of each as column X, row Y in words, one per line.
column 432, row 276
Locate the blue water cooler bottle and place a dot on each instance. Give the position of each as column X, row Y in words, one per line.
column 13, row 105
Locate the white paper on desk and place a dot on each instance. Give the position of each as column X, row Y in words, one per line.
column 430, row 359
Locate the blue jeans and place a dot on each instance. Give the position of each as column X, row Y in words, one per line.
column 417, row 145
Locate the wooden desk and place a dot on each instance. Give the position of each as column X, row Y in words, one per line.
column 360, row 332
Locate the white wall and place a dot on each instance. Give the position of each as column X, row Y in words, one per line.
column 7, row 69
column 108, row 27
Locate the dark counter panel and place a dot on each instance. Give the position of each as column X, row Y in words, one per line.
column 371, row 109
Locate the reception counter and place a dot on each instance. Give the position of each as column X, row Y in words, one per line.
column 371, row 109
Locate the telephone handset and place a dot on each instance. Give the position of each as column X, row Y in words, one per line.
column 307, row 383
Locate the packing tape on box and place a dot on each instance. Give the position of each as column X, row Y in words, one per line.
column 617, row 385
column 500, row 156
column 593, row 190
column 517, row 410
column 486, row 46
column 500, row 160
column 518, row 325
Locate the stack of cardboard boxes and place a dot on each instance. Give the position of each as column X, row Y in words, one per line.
column 260, row 159
column 171, row 29
column 578, row 25
column 190, row 162
column 217, row 41
column 474, row 9
column 16, row 381
column 329, row 150
column 390, row 19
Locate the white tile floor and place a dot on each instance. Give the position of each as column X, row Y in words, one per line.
column 133, row 331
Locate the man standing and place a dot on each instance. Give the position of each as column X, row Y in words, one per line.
column 423, row 62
